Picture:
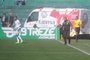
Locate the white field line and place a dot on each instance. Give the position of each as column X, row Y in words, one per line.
column 76, row 48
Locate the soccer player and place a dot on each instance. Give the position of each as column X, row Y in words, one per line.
column 17, row 29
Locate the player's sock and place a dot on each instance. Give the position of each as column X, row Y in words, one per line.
column 20, row 39
column 17, row 40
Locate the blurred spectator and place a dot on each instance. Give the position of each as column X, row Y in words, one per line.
column 11, row 19
column 4, row 20
column 23, row 2
column 20, row 2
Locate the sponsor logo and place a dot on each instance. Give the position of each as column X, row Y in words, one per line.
column 40, row 32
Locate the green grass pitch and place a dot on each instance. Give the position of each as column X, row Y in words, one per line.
column 43, row 50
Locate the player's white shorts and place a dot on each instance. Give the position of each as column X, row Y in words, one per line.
column 17, row 29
